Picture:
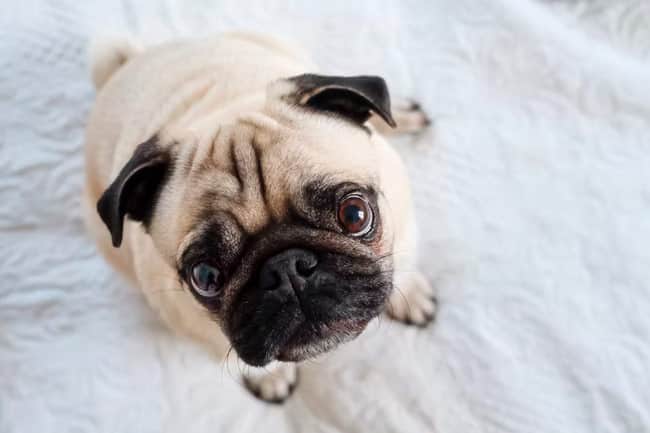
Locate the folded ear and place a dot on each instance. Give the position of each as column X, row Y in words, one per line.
column 354, row 98
column 135, row 190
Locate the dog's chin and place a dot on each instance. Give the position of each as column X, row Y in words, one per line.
column 300, row 341
column 310, row 340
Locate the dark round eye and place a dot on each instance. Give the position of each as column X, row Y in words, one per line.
column 355, row 215
column 205, row 280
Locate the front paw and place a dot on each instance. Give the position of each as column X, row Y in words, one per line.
column 413, row 301
column 273, row 383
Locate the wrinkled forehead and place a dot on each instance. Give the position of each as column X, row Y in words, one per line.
column 313, row 147
column 259, row 169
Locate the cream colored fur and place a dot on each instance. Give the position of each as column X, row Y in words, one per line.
column 205, row 94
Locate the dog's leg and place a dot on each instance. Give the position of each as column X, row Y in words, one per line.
column 408, row 115
column 413, row 299
column 273, row 382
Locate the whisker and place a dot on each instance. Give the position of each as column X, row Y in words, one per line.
column 379, row 322
column 226, row 361
column 389, row 307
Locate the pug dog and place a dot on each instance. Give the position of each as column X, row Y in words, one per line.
column 254, row 202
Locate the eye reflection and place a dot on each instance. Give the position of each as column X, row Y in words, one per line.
column 355, row 215
column 205, row 280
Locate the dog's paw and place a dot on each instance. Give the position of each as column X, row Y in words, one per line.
column 409, row 116
column 273, row 383
column 413, row 301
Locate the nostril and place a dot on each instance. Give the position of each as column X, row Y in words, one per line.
column 288, row 269
column 306, row 266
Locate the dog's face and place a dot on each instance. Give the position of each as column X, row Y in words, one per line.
column 275, row 222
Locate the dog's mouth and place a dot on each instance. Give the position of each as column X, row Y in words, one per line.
column 311, row 340
column 288, row 335
column 268, row 326
column 300, row 303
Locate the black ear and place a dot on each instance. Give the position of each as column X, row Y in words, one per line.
column 135, row 190
column 351, row 97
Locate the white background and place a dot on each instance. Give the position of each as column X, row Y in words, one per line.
column 532, row 191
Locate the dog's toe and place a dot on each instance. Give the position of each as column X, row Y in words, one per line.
column 410, row 117
column 274, row 383
column 413, row 302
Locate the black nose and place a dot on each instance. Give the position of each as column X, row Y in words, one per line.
column 288, row 270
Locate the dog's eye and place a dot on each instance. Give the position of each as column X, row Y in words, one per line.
column 355, row 215
column 206, row 280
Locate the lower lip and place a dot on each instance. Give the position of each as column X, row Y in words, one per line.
column 346, row 329
column 343, row 326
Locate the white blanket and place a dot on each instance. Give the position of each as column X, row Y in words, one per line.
column 533, row 196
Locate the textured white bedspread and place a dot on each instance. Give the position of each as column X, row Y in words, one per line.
column 533, row 194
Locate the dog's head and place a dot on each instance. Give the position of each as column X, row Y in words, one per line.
column 275, row 220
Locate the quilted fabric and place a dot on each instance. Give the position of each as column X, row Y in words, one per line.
column 532, row 191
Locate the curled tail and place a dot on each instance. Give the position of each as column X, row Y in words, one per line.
column 107, row 56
